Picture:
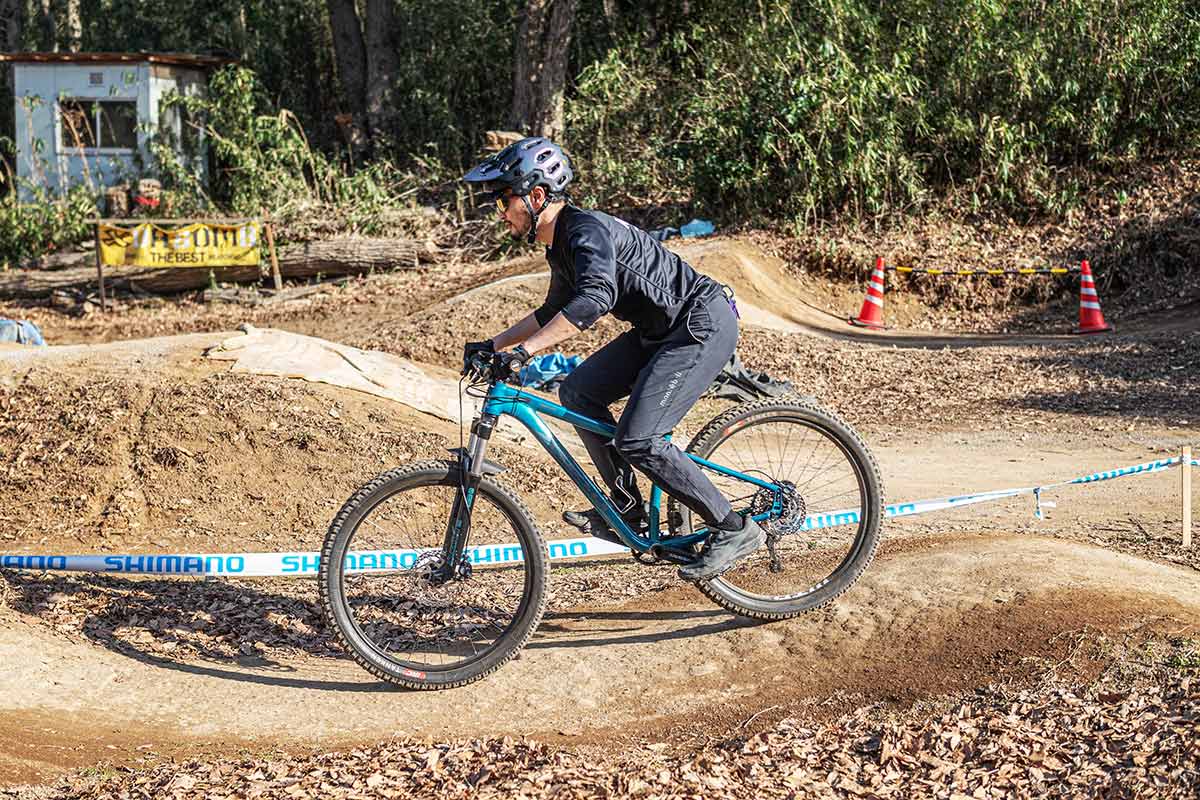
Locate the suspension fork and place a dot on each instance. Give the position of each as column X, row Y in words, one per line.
column 458, row 527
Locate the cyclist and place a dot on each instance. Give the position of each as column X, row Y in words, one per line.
column 684, row 329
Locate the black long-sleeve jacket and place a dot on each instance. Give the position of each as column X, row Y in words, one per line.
column 600, row 265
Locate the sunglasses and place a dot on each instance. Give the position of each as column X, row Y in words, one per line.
column 502, row 201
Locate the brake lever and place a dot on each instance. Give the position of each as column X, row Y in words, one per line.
column 479, row 369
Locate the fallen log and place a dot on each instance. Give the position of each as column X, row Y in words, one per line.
column 349, row 255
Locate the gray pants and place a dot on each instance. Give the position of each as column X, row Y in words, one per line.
column 663, row 379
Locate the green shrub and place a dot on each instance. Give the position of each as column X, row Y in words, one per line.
column 814, row 108
column 622, row 137
column 45, row 224
column 263, row 160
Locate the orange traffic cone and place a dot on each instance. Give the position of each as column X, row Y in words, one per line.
column 1091, row 318
column 871, row 315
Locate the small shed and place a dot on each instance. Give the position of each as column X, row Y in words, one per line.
column 87, row 118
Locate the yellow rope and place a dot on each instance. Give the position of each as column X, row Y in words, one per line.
column 985, row 271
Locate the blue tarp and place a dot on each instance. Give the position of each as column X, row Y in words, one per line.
column 697, row 227
column 543, row 372
column 690, row 230
column 20, row 331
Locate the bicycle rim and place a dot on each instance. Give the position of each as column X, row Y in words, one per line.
column 409, row 620
column 834, row 486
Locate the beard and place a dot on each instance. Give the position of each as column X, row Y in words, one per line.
column 518, row 230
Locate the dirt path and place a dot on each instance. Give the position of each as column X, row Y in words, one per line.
column 144, row 446
column 656, row 663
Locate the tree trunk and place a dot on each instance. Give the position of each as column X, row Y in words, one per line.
column 342, row 256
column 382, row 66
column 612, row 15
column 12, row 25
column 47, row 27
column 350, row 52
column 74, row 31
column 240, row 32
column 12, row 28
column 540, row 66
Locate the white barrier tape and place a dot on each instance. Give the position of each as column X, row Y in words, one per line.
column 259, row 565
column 306, row 564
column 834, row 519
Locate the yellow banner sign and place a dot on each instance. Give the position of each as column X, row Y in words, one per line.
column 197, row 245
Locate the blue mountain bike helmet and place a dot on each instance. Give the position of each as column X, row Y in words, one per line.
column 521, row 167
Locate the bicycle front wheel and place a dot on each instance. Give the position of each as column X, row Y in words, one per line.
column 394, row 608
column 822, row 529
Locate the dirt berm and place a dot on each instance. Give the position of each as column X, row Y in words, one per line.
column 146, row 446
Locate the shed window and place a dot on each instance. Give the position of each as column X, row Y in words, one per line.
column 90, row 124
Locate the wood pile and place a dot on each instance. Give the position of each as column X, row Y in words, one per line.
column 347, row 255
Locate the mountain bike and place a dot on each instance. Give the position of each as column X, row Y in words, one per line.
column 433, row 574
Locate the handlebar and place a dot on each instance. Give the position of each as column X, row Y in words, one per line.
column 489, row 367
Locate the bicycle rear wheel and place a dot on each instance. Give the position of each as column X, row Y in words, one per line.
column 383, row 594
column 822, row 531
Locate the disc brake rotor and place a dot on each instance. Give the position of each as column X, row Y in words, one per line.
column 785, row 506
column 787, row 511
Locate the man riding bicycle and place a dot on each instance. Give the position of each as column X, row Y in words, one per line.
column 684, row 330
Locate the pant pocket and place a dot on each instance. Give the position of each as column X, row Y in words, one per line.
column 699, row 323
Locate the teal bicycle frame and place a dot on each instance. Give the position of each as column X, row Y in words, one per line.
column 504, row 400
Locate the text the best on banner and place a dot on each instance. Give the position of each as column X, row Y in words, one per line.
column 197, row 245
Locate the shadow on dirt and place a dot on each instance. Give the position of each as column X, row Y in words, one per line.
column 602, row 628
column 162, row 621
column 250, row 633
column 1156, row 377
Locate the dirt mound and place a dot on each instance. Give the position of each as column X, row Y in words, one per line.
column 661, row 661
column 146, row 445
column 897, row 378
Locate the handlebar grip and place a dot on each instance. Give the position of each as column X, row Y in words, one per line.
column 481, row 366
column 488, row 367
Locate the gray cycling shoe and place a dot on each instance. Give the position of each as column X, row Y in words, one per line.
column 723, row 550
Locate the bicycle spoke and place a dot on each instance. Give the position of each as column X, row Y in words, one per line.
column 797, row 453
column 407, row 613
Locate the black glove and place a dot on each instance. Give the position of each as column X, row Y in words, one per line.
column 474, row 348
column 512, row 362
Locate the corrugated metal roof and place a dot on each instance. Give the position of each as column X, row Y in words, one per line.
column 174, row 59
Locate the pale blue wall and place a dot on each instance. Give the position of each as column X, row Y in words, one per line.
column 38, row 86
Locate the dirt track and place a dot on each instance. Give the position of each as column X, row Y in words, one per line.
column 663, row 662
column 100, row 447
